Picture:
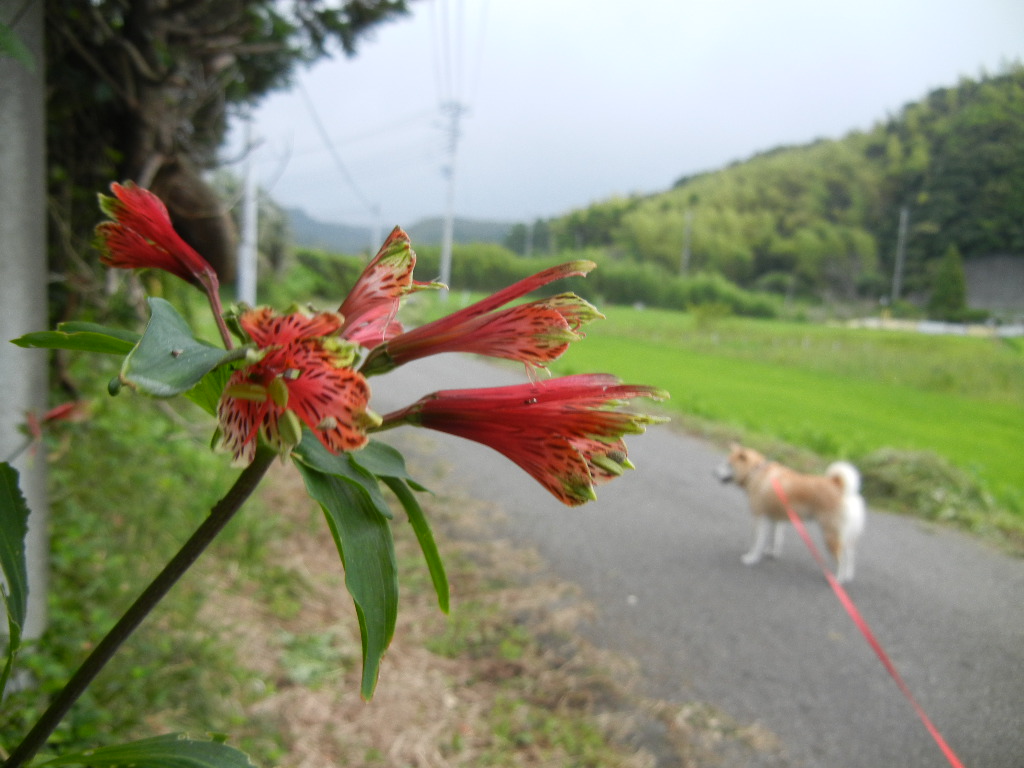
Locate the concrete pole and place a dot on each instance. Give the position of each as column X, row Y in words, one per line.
column 684, row 259
column 901, row 250
column 455, row 112
column 23, row 372
column 248, row 249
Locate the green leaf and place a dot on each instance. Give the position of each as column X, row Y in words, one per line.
column 13, row 529
column 421, row 527
column 362, row 534
column 313, row 453
column 206, row 394
column 84, row 337
column 170, row 751
column 387, row 462
column 169, row 360
column 383, row 460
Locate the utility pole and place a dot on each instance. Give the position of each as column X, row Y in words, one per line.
column 901, row 245
column 455, row 112
column 248, row 250
column 684, row 264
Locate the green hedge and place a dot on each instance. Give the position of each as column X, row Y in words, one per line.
column 488, row 267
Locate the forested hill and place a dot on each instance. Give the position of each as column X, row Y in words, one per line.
column 822, row 219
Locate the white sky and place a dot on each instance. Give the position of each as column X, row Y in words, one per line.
column 573, row 101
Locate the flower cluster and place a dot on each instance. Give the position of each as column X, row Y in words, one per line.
column 302, row 376
column 310, row 369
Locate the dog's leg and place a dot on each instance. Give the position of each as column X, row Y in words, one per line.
column 852, row 527
column 838, row 549
column 844, row 572
column 760, row 541
column 777, row 533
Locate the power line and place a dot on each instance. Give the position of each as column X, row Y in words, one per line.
column 448, row 70
column 415, row 118
column 478, row 66
column 334, row 153
column 455, row 112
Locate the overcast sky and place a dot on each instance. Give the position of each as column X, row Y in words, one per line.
column 568, row 102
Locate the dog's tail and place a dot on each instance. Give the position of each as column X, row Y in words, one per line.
column 847, row 476
column 854, row 508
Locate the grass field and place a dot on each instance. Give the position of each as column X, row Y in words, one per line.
column 837, row 391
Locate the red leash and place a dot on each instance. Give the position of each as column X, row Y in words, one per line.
column 862, row 625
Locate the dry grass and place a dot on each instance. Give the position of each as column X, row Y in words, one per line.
column 503, row 681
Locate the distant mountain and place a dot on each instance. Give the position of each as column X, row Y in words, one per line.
column 429, row 231
column 824, row 219
column 335, row 238
column 342, row 238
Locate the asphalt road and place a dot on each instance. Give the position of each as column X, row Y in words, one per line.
column 659, row 556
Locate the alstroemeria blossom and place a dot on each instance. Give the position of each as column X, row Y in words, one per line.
column 534, row 333
column 301, row 376
column 141, row 236
column 566, row 432
column 369, row 309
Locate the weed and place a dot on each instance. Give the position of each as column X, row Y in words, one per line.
column 478, row 629
column 313, row 659
column 128, row 508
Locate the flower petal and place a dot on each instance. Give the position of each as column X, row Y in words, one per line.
column 332, row 401
column 267, row 328
column 370, row 307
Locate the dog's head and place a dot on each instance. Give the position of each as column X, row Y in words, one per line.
column 739, row 464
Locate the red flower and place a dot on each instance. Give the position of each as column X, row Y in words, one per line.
column 534, row 333
column 141, row 236
column 565, row 432
column 369, row 309
column 301, row 377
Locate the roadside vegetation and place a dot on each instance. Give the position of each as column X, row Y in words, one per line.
column 261, row 641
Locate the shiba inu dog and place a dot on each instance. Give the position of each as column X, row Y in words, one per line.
column 832, row 499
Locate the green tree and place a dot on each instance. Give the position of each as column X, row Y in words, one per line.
column 822, row 219
column 516, row 239
column 949, row 297
column 541, row 237
column 143, row 89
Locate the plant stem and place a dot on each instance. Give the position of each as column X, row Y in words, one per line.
column 219, row 516
column 218, row 314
